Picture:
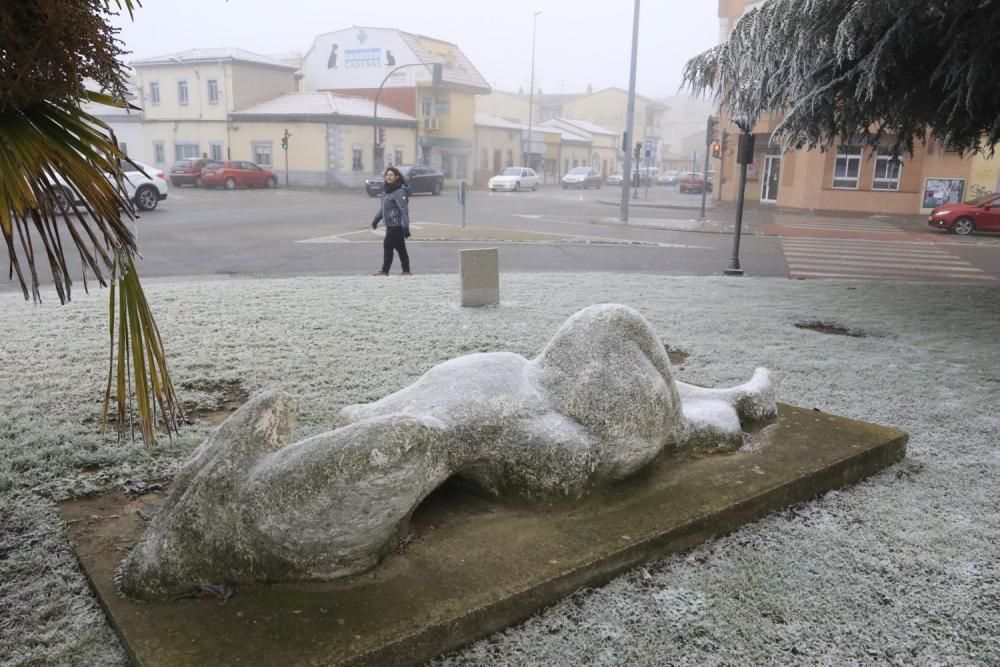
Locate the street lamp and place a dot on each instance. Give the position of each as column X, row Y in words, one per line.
column 531, row 88
column 744, row 156
column 436, row 69
column 629, row 120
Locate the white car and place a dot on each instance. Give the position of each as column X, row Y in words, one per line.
column 146, row 190
column 615, row 178
column 514, row 179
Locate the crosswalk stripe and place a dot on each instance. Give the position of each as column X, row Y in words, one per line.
column 834, row 223
column 859, row 258
column 876, row 254
column 864, row 276
column 808, row 261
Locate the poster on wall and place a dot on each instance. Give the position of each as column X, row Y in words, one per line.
column 939, row 191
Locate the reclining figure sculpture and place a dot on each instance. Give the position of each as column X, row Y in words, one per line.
column 598, row 404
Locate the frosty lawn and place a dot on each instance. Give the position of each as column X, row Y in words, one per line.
column 899, row 569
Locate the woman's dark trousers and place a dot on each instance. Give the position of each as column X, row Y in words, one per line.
column 394, row 241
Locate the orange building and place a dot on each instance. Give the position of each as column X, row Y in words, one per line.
column 844, row 177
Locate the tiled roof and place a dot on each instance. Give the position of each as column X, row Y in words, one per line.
column 318, row 106
column 487, row 120
column 207, row 55
column 587, row 126
column 459, row 70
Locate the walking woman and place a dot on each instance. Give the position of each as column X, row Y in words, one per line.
column 395, row 215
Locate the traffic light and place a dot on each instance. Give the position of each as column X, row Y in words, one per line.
column 284, row 139
column 381, row 136
column 710, row 130
column 717, row 149
column 638, row 150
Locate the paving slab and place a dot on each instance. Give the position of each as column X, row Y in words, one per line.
column 473, row 565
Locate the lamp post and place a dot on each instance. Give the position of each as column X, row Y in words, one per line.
column 376, row 164
column 531, row 88
column 629, row 121
column 744, row 156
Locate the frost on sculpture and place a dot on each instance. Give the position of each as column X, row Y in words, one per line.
column 597, row 404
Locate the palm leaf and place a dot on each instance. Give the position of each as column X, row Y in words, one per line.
column 52, row 146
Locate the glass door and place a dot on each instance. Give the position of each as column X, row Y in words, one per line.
column 769, row 185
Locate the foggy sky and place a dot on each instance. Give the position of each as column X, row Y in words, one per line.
column 579, row 42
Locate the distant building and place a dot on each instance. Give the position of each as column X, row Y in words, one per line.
column 187, row 97
column 360, row 62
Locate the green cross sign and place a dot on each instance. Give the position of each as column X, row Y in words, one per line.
column 362, row 36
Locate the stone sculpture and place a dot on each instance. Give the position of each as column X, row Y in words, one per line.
column 596, row 405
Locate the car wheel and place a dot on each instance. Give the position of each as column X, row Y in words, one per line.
column 565, row 187
column 197, row 182
column 270, row 182
column 436, row 189
column 230, row 184
column 517, row 186
column 146, row 198
column 963, row 226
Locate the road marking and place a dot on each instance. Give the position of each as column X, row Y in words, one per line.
column 842, row 224
column 856, row 258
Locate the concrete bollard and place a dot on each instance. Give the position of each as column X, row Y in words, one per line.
column 480, row 269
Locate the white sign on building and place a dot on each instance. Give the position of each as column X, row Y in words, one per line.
column 360, row 58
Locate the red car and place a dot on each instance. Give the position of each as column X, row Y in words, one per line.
column 981, row 214
column 691, row 181
column 232, row 173
column 188, row 172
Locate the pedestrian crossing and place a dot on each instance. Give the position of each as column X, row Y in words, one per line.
column 872, row 260
column 801, row 221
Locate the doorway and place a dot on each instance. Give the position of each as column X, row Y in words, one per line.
column 772, row 172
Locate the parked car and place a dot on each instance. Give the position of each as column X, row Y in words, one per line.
column 691, row 181
column 145, row 185
column 982, row 214
column 514, row 178
column 616, row 178
column 670, row 177
column 709, row 177
column 232, row 173
column 581, row 177
column 188, row 172
column 420, row 177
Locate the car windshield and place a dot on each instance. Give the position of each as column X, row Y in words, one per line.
column 511, row 171
column 979, row 201
column 182, row 164
column 580, row 170
column 405, row 169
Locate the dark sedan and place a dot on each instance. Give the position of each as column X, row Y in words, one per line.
column 420, row 178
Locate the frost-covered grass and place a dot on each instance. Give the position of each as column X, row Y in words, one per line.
column 899, row 569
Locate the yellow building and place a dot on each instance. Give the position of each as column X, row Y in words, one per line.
column 845, row 177
column 187, row 97
column 602, row 145
column 512, row 107
column 398, row 68
column 331, row 137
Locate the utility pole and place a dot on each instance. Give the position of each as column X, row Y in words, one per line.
column 629, row 120
column 531, row 92
column 709, row 139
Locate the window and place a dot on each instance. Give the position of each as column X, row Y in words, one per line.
column 510, row 158
column 356, row 160
column 159, row 155
column 185, row 151
column 213, row 91
column 426, row 106
column 215, row 151
column 182, row 92
column 486, row 159
column 888, row 169
column 847, row 167
column 397, row 157
column 261, row 151
column 154, row 92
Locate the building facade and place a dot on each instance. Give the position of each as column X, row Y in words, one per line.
column 398, row 68
column 845, row 177
column 187, row 98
